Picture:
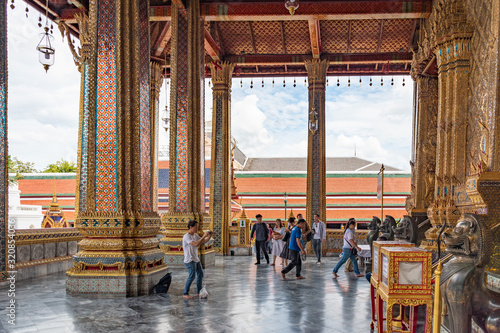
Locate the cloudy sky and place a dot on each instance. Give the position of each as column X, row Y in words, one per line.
column 43, row 109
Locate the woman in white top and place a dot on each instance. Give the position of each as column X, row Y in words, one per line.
column 349, row 245
column 278, row 233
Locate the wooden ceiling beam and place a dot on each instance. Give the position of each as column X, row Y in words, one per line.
column 211, row 47
column 380, row 32
column 163, row 38
column 349, row 32
column 315, row 36
column 179, row 3
column 335, row 59
column 252, row 37
column 77, row 4
column 218, row 35
column 283, row 40
column 320, row 10
column 412, row 35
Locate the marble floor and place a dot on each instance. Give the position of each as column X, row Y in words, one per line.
column 242, row 297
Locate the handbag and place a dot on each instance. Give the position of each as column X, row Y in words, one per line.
column 354, row 251
column 286, row 237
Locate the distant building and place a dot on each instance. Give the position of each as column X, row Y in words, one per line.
column 351, row 185
column 21, row 215
column 54, row 216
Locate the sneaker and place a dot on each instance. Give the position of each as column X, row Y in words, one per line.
column 318, row 262
column 257, row 263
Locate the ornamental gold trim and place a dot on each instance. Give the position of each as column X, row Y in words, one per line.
column 25, row 264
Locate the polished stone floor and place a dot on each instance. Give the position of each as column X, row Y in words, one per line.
column 243, row 297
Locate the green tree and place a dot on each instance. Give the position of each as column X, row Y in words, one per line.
column 61, row 166
column 17, row 167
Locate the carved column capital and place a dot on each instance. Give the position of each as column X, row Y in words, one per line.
column 156, row 78
column 222, row 74
column 316, row 70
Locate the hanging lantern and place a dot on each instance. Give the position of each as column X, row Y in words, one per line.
column 262, row 82
column 292, row 6
column 370, row 82
column 284, row 85
column 313, row 120
column 403, row 82
column 251, row 84
column 46, row 51
column 164, row 117
column 338, row 82
column 241, row 83
column 12, row 5
column 294, row 83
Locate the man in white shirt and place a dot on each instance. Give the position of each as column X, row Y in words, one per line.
column 190, row 243
column 319, row 230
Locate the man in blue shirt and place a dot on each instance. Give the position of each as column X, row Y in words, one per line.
column 296, row 249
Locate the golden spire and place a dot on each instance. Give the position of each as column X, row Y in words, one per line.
column 291, row 214
column 243, row 213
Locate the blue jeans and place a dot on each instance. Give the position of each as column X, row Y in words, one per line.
column 346, row 254
column 193, row 267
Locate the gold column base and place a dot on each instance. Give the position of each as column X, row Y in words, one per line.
column 174, row 226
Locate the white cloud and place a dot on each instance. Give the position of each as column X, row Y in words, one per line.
column 42, row 107
column 266, row 122
column 249, row 124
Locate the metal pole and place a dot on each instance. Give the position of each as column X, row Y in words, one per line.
column 382, row 205
column 285, row 206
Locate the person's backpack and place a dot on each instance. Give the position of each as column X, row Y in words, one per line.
column 162, row 286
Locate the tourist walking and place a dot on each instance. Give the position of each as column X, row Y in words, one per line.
column 296, row 249
column 285, row 253
column 278, row 233
column 190, row 243
column 261, row 232
column 306, row 236
column 347, row 249
column 319, row 236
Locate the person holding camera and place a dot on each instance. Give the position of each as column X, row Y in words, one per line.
column 348, row 249
column 319, row 236
column 190, row 243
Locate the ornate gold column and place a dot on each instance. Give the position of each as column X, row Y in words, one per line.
column 187, row 137
column 316, row 160
column 119, row 255
column 424, row 147
column 154, row 104
column 220, row 166
column 4, row 173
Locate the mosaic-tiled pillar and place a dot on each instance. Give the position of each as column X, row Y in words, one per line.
column 316, row 154
column 451, row 156
column 220, row 167
column 424, row 143
column 119, row 255
column 4, row 181
column 156, row 83
column 423, row 147
column 187, row 138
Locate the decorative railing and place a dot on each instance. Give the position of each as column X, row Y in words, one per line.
column 43, row 251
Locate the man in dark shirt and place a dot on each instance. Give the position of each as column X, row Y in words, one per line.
column 261, row 232
column 296, row 249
